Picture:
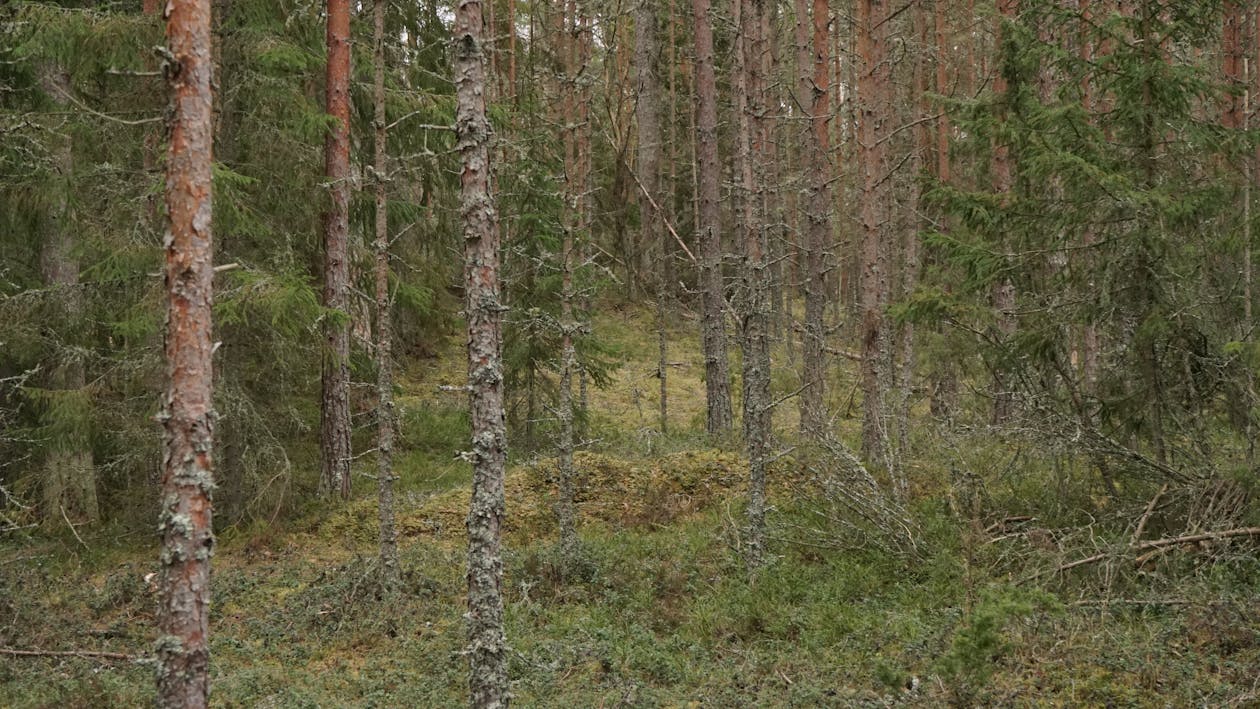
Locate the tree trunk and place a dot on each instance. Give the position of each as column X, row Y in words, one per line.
column 1003, row 293
column 648, row 114
column 335, row 403
column 385, row 413
column 487, row 646
column 874, row 85
column 746, row 83
column 944, row 374
column 184, row 522
column 712, row 322
column 69, row 474
column 813, row 78
column 565, row 513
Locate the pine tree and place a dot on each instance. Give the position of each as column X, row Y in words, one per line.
column 487, row 651
column 335, row 403
column 185, row 521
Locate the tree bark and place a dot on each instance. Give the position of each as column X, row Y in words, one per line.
column 385, row 413
column 1003, row 293
column 719, row 415
column 185, row 517
column 69, row 474
column 335, row 403
column 565, row 512
column 487, row 646
column 649, row 158
column 944, row 374
column 813, row 93
column 750, row 108
column 874, row 84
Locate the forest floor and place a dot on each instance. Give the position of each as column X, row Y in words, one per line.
column 660, row 610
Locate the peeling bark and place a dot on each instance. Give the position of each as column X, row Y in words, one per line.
column 183, row 654
column 487, row 646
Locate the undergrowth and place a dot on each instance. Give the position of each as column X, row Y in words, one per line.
column 658, row 609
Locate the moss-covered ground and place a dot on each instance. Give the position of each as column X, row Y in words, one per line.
column 659, row 611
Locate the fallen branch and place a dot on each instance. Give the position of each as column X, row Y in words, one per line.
column 1069, row 565
column 1146, row 515
column 1203, row 537
column 87, row 654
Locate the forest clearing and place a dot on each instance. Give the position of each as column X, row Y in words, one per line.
column 608, row 353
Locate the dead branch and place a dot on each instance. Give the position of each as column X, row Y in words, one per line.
column 1204, row 537
column 1146, row 515
column 88, row 654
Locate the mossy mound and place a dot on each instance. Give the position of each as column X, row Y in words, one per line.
column 618, row 492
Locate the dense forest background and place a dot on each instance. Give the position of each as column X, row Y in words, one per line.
column 853, row 353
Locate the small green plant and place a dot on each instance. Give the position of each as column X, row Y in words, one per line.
column 983, row 641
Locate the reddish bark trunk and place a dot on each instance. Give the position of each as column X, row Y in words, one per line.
column 185, row 516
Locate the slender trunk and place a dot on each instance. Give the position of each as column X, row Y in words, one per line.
column 335, row 409
column 649, row 158
column 746, row 80
column 874, row 82
column 565, row 512
column 487, row 646
column 719, row 416
column 1003, row 293
column 945, row 378
column 511, row 29
column 69, row 483
column 910, row 236
column 585, row 206
column 384, row 327
column 185, row 517
column 1089, row 331
column 813, row 78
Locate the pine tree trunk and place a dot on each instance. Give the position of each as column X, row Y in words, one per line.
column 1003, row 293
column 874, row 85
column 813, row 78
column 565, row 513
column 648, row 111
column 719, row 416
column 185, row 517
column 385, row 413
column 69, row 481
column 487, row 646
column 944, row 375
column 335, row 403
column 746, row 84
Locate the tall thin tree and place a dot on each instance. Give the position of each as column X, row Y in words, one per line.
column 647, row 165
column 335, row 403
column 813, row 80
column 185, row 516
column 874, row 85
column 487, row 645
column 719, row 416
column 384, row 331
column 749, row 106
